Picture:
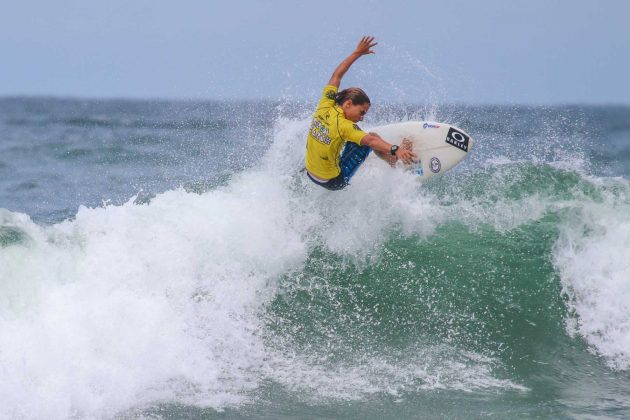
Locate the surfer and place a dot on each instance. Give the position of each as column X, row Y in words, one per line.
column 336, row 146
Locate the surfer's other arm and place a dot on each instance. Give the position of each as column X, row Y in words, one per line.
column 383, row 148
column 363, row 48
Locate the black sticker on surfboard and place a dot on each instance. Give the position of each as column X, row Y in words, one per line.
column 458, row 139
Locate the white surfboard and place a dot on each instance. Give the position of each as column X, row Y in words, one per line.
column 438, row 146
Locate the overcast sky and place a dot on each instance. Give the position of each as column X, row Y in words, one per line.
column 477, row 51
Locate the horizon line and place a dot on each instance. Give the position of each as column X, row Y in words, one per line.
column 112, row 98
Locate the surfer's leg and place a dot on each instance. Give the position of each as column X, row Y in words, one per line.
column 352, row 157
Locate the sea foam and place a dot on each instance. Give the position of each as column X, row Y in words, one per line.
column 591, row 256
column 130, row 305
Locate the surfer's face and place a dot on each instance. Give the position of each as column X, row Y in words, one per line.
column 355, row 113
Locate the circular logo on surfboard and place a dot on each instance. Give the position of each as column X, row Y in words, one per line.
column 435, row 165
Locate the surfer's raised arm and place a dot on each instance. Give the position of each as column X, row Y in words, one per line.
column 363, row 48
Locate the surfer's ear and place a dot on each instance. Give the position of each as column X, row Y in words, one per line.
column 343, row 101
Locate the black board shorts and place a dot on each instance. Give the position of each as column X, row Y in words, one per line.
column 334, row 184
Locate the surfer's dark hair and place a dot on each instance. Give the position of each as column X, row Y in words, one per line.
column 356, row 95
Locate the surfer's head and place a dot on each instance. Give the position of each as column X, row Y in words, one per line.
column 354, row 102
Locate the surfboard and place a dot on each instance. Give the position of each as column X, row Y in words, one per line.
column 438, row 146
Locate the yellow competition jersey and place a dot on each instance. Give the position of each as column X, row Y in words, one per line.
column 329, row 131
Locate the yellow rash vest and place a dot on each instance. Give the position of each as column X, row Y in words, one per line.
column 329, row 131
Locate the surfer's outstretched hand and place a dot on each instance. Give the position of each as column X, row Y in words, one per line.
column 365, row 45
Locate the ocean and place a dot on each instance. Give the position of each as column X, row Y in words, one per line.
column 170, row 260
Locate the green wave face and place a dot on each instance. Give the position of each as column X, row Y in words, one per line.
column 482, row 291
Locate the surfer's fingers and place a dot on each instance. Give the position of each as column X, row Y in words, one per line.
column 370, row 46
column 407, row 156
column 364, row 46
column 368, row 40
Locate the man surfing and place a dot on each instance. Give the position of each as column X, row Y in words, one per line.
column 336, row 146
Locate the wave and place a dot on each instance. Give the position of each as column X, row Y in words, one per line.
column 387, row 287
column 591, row 258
